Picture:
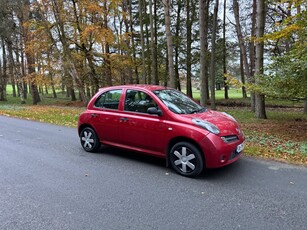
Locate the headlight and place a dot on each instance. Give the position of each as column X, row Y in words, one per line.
column 206, row 125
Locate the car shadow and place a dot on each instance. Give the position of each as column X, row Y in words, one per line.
column 228, row 172
column 131, row 155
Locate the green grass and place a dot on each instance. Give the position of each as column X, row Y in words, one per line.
column 236, row 98
column 219, row 94
column 46, row 99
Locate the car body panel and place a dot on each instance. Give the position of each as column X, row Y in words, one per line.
column 152, row 134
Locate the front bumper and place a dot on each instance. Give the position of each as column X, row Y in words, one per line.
column 218, row 153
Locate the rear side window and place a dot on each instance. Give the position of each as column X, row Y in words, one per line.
column 109, row 100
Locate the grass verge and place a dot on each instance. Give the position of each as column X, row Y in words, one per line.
column 59, row 115
column 282, row 137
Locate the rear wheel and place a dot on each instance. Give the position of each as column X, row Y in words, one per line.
column 89, row 140
column 186, row 159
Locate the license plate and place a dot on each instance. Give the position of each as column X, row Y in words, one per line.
column 240, row 148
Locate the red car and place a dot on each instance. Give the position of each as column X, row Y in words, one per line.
column 162, row 122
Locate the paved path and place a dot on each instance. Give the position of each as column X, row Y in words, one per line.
column 48, row 182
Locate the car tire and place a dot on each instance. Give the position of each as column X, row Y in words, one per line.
column 89, row 140
column 186, row 159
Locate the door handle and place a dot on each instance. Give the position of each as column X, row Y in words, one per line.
column 94, row 114
column 123, row 119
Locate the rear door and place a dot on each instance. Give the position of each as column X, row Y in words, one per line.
column 107, row 115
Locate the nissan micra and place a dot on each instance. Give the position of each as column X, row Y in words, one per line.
column 162, row 122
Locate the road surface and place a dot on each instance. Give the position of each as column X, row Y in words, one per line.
column 48, row 182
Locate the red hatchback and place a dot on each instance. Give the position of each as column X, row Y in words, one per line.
column 162, row 122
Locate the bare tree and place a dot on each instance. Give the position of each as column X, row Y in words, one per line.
column 169, row 42
column 224, row 52
column 191, row 16
column 177, row 41
column 67, row 55
column 260, row 98
column 212, row 62
column 3, row 74
column 203, row 25
column 142, row 41
column 133, row 43
column 243, row 50
column 154, row 70
column 30, row 55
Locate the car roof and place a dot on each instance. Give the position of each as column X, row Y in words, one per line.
column 137, row 86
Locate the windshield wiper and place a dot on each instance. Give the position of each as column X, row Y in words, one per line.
column 198, row 110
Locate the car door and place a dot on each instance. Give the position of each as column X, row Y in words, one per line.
column 107, row 115
column 140, row 130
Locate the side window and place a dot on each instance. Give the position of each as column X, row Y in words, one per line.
column 109, row 99
column 138, row 101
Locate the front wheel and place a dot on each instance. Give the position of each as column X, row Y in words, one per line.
column 89, row 140
column 186, row 159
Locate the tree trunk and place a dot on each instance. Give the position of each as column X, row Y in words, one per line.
column 31, row 73
column 12, row 67
column 212, row 63
column 305, row 106
column 242, row 47
column 260, row 98
column 19, row 76
column 30, row 57
column 224, row 52
column 154, row 70
column 203, row 22
column 23, row 84
column 244, row 95
column 189, row 50
column 4, row 74
column 252, row 52
column 142, row 41
column 133, row 45
column 169, row 42
column 252, row 43
column 177, row 43
column 156, row 41
column 107, row 48
column 72, row 94
column 148, row 56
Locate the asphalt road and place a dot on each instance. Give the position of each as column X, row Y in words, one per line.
column 48, row 182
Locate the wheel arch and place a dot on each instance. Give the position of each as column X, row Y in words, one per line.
column 182, row 139
column 85, row 125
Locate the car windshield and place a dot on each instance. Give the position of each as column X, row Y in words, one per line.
column 178, row 102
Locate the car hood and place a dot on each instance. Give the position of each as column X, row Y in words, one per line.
column 226, row 124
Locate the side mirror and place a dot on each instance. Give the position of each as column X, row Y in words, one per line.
column 154, row 111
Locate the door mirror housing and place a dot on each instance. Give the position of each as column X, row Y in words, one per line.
column 154, row 111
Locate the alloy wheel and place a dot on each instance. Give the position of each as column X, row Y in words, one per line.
column 89, row 140
column 186, row 159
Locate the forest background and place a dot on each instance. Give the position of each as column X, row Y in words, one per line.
column 201, row 47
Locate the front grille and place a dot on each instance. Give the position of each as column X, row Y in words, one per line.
column 230, row 138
